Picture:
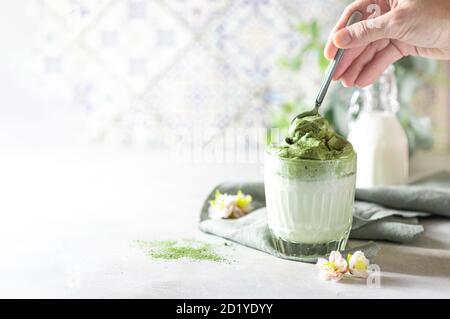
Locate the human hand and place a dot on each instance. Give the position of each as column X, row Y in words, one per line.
column 391, row 29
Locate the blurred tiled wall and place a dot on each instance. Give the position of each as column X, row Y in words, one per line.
column 138, row 67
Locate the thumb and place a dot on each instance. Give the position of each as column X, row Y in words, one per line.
column 363, row 32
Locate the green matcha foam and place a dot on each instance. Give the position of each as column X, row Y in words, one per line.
column 312, row 138
column 312, row 150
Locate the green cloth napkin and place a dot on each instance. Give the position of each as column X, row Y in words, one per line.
column 430, row 194
column 382, row 213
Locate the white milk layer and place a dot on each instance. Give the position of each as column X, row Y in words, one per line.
column 309, row 212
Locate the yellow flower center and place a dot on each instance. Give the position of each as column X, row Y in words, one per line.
column 360, row 265
column 333, row 266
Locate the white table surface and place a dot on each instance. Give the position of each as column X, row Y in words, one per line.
column 69, row 219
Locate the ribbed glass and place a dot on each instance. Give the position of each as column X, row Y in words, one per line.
column 309, row 204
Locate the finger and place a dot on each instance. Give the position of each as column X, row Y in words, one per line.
column 349, row 56
column 378, row 65
column 330, row 47
column 353, row 71
column 440, row 54
column 364, row 32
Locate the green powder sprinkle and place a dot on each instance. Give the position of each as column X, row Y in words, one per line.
column 173, row 249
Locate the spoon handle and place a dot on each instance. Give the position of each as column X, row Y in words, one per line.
column 355, row 17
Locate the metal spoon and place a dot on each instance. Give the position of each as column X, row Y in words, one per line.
column 355, row 17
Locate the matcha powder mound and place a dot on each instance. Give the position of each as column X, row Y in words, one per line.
column 173, row 249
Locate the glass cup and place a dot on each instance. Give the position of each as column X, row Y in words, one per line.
column 309, row 204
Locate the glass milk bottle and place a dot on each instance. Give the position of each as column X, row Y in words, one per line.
column 377, row 136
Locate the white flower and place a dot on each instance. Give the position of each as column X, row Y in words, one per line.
column 334, row 268
column 229, row 206
column 358, row 264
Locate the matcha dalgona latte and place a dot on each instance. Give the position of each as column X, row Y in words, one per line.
column 310, row 185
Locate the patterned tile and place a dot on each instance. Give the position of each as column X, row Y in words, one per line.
column 136, row 67
column 131, row 125
column 137, row 40
column 113, row 114
column 196, row 14
column 109, row 38
column 76, row 15
column 302, row 9
column 137, row 9
column 256, row 115
column 48, row 42
column 253, row 36
column 199, row 91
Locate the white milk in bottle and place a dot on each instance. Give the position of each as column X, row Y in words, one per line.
column 377, row 136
